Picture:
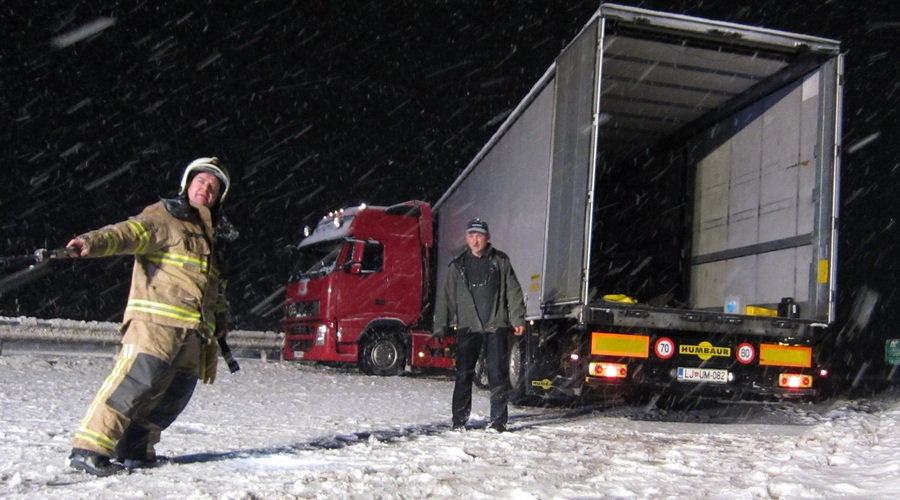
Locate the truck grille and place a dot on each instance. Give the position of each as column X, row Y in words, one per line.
column 301, row 345
column 301, row 330
column 303, row 309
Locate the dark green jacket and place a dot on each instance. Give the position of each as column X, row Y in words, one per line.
column 457, row 309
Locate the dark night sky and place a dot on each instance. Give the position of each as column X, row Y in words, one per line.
column 315, row 105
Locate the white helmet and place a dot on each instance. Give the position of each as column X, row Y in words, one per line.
column 210, row 165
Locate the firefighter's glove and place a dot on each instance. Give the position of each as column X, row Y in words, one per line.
column 209, row 361
column 440, row 333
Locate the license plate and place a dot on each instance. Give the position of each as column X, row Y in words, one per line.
column 702, row 375
column 299, row 354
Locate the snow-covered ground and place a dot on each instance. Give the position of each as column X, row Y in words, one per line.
column 287, row 430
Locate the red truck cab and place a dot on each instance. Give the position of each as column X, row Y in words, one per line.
column 360, row 289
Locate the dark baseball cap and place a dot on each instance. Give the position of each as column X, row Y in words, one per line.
column 477, row 226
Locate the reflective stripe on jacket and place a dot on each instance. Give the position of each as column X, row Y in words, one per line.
column 176, row 279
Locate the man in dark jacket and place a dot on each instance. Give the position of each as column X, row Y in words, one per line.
column 483, row 302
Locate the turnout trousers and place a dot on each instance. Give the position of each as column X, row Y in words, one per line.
column 468, row 348
column 154, row 376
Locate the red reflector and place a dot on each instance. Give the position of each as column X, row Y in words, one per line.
column 608, row 370
column 795, row 380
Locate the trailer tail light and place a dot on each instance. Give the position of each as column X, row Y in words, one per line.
column 795, row 380
column 608, row 370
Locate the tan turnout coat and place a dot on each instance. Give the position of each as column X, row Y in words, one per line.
column 177, row 273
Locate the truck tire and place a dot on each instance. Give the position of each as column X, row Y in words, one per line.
column 518, row 376
column 383, row 353
column 481, row 376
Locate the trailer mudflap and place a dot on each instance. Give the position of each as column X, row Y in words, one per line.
column 552, row 361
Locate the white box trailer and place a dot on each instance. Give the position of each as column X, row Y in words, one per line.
column 667, row 193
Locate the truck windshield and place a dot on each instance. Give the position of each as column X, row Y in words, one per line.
column 316, row 261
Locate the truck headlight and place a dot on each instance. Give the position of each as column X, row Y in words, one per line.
column 321, row 331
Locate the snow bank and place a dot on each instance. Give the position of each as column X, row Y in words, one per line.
column 287, row 430
column 32, row 331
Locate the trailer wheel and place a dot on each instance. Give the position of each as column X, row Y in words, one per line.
column 383, row 354
column 518, row 378
column 481, row 376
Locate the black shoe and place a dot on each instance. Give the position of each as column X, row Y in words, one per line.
column 132, row 446
column 458, row 427
column 93, row 463
column 500, row 428
column 139, row 463
column 146, row 462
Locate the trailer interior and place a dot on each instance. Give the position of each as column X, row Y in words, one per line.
column 711, row 150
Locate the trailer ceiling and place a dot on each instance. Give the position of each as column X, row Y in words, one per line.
column 666, row 76
column 651, row 89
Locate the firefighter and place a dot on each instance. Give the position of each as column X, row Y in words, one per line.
column 175, row 313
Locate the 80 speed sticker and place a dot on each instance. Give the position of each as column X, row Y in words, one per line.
column 745, row 353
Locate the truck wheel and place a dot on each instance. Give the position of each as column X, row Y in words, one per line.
column 518, row 378
column 383, row 354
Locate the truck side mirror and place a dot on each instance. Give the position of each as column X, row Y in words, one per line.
column 354, row 268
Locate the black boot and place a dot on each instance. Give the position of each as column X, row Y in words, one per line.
column 131, row 450
column 92, row 463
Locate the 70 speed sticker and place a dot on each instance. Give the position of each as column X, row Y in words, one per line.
column 664, row 348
